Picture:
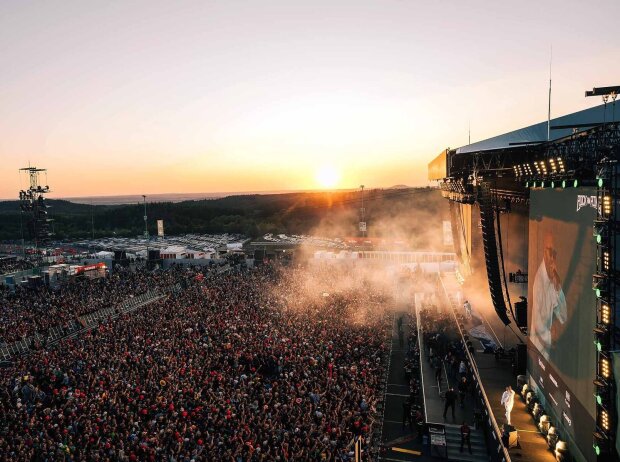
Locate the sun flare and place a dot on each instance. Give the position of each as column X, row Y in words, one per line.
column 327, row 177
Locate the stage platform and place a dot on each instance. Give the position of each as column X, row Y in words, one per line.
column 495, row 376
column 402, row 443
column 434, row 392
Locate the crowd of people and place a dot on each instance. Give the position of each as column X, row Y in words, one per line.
column 445, row 351
column 25, row 311
column 11, row 265
column 264, row 365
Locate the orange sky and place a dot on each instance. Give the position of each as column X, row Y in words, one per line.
column 156, row 97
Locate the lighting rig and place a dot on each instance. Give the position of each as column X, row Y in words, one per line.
column 589, row 158
column 569, row 162
column 32, row 202
column 458, row 190
column 606, row 283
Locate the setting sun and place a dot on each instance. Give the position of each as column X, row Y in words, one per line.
column 327, row 176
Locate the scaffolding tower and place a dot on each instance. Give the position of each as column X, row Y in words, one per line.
column 32, row 202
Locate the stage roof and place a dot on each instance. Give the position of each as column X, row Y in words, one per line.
column 538, row 132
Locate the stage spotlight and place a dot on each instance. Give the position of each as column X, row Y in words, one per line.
column 604, row 419
column 561, row 164
column 552, row 437
column 602, row 393
column 605, row 313
column 538, row 413
column 553, row 166
column 600, row 231
column 599, row 345
column 524, row 390
column 599, row 292
column 598, row 284
column 600, row 443
column 544, row 424
column 561, row 451
column 606, row 205
column 528, row 169
column 601, row 338
column 605, row 257
column 605, row 368
column 530, row 407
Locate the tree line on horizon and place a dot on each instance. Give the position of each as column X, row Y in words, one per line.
column 389, row 212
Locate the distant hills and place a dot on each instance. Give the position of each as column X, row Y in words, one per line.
column 181, row 197
column 174, row 197
column 407, row 213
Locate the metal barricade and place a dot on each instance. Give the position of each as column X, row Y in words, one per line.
column 84, row 322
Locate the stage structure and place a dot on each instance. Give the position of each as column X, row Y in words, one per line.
column 32, row 203
column 569, row 184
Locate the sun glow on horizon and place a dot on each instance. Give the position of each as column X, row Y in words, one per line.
column 327, row 177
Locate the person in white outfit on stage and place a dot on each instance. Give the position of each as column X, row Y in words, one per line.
column 508, row 400
column 467, row 307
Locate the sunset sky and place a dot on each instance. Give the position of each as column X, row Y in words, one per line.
column 130, row 97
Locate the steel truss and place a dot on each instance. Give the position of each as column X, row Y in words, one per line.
column 606, row 282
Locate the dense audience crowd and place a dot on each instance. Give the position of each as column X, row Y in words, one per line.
column 445, row 352
column 26, row 311
column 11, row 265
column 265, row 365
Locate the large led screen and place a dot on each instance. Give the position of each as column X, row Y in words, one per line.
column 562, row 309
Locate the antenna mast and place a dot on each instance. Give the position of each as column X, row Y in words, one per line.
column 549, row 107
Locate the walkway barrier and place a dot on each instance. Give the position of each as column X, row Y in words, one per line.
column 493, row 434
column 77, row 326
column 380, row 411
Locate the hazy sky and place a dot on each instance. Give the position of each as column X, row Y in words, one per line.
column 152, row 97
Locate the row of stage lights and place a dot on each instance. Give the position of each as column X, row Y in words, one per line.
column 563, row 183
column 544, row 424
column 552, row 166
column 604, row 228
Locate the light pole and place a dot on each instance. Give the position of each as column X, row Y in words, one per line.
column 362, row 215
column 146, row 231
